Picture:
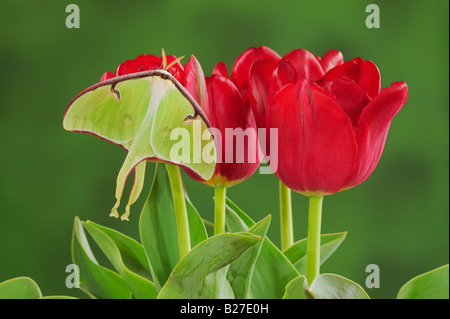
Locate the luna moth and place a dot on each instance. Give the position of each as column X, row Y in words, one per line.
column 139, row 111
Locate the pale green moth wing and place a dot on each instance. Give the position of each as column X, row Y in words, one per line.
column 152, row 116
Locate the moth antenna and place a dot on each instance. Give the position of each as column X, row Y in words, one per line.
column 164, row 59
column 174, row 62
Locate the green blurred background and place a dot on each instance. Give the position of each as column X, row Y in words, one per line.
column 397, row 219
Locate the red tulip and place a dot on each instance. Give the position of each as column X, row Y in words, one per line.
column 228, row 111
column 146, row 62
column 255, row 70
column 268, row 73
column 332, row 121
column 252, row 73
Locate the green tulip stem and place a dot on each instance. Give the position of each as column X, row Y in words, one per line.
column 287, row 230
column 219, row 212
column 179, row 202
column 313, row 244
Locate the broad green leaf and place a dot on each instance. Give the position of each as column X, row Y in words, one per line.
column 158, row 228
column 272, row 271
column 197, row 228
column 296, row 289
column 201, row 274
column 19, row 288
column 328, row 245
column 142, row 287
column 132, row 253
column 241, row 270
column 145, row 113
column 430, row 285
column 97, row 281
column 331, row 286
column 227, row 291
column 241, row 220
column 209, row 226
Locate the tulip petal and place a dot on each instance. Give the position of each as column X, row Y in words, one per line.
column 316, row 142
column 220, row 69
column 306, row 65
column 127, row 67
column 364, row 73
column 373, row 126
column 195, row 81
column 260, row 78
column 228, row 112
column 149, row 61
column 331, row 59
column 350, row 96
column 282, row 75
column 370, row 79
column 107, row 75
column 241, row 68
column 350, row 69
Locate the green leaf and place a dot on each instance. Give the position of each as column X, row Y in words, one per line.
column 132, row 253
column 158, row 228
column 97, row 281
column 430, row 285
column 209, row 226
column 296, row 289
column 201, row 274
column 241, row 270
column 272, row 271
column 197, row 228
column 19, row 288
column 331, row 286
column 236, row 220
column 142, row 287
column 328, row 245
